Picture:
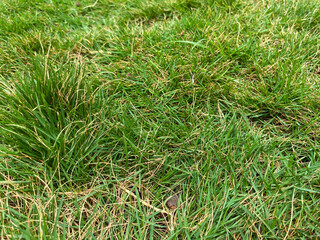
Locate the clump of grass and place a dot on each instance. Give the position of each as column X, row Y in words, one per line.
column 49, row 116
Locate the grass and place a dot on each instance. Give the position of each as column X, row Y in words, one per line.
column 109, row 107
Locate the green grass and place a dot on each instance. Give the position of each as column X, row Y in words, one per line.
column 109, row 107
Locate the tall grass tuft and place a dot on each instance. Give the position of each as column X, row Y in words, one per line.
column 47, row 116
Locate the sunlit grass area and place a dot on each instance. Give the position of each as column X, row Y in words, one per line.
column 110, row 107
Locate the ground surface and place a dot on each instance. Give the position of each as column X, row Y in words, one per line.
column 109, row 107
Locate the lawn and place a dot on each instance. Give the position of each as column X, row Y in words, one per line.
column 110, row 107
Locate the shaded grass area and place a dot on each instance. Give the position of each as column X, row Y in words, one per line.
column 107, row 108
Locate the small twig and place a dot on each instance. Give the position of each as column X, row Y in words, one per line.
column 90, row 6
column 292, row 206
column 145, row 203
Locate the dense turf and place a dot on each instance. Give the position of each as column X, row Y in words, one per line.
column 109, row 107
